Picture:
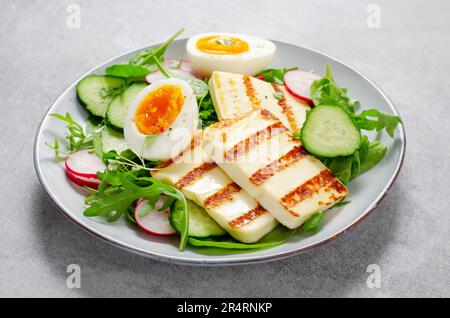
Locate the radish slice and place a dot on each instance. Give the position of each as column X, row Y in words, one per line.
column 83, row 182
column 157, row 75
column 154, row 223
column 298, row 83
column 84, row 164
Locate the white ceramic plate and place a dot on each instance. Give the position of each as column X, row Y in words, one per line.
column 366, row 191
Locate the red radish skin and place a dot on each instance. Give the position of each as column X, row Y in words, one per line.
column 84, row 164
column 155, row 223
column 82, row 183
column 298, row 84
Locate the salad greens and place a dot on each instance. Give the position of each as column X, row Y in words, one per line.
column 279, row 235
column 313, row 223
column 119, row 190
column 76, row 137
column 127, row 71
column 274, row 75
column 146, row 58
column 127, row 177
column 207, row 113
column 326, row 92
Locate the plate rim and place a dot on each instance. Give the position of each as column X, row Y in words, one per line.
column 220, row 261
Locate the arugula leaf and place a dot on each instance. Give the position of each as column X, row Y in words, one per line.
column 381, row 121
column 274, row 75
column 326, row 91
column 313, row 223
column 124, row 189
column 207, row 113
column 54, row 147
column 77, row 138
column 374, row 154
column 97, row 143
column 113, row 206
column 176, row 194
column 127, row 71
column 146, row 208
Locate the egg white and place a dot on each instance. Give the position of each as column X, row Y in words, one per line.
column 174, row 138
column 260, row 54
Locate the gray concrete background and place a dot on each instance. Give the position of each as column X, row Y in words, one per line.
column 407, row 236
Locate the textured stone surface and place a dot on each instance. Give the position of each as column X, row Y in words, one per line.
column 407, row 236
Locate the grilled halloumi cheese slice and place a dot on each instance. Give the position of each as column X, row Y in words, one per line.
column 260, row 154
column 235, row 94
column 201, row 180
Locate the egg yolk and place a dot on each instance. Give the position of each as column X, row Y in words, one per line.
column 221, row 45
column 158, row 110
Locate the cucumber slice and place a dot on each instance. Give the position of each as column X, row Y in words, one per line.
column 113, row 140
column 95, row 92
column 200, row 223
column 117, row 110
column 329, row 131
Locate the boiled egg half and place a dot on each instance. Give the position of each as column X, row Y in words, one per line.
column 229, row 52
column 162, row 119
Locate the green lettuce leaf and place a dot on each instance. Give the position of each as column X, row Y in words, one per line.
column 374, row 154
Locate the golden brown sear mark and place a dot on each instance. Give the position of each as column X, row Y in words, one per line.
column 196, row 141
column 222, row 195
column 324, row 179
column 247, row 217
column 250, row 142
column 286, row 109
column 288, row 159
column 195, row 174
column 251, row 92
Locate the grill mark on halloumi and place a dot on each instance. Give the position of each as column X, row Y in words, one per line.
column 222, row 195
column 195, row 174
column 286, row 109
column 247, row 217
column 227, row 122
column 266, row 114
column 194, row 143
column 248, row 143
column 251, row 92
column 219, row 85
column 285, row 161
column 325, row 179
